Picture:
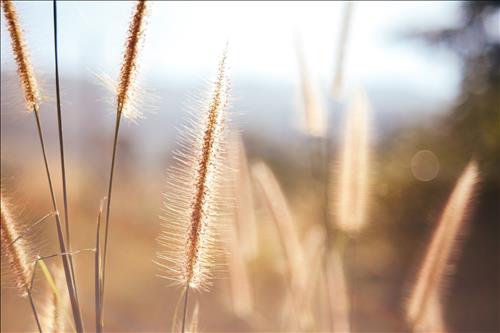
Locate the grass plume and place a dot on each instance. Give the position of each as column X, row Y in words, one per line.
column 341, row 48
column 15, row 248
column 192, row 207
column 128, row 72
column 24, row 68
column 351, row 190
column 424, row 300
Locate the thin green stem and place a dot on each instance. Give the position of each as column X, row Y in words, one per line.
column 67, row 270
column 33, row 308
column 184, row 315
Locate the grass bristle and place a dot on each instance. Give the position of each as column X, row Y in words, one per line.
column 193, row 204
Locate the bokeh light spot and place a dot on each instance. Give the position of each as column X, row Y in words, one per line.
column 425, row 165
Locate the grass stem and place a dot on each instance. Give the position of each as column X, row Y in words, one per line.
column 67, row 270
column 184, row 315
column 108, row 205
column 33, row 308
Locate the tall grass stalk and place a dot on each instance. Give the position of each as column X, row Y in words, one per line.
column 61, row 148
column 32, row 98
column 124, row 106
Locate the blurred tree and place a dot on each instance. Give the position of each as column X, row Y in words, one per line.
column 474, row 127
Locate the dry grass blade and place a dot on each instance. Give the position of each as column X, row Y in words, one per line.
column 314, row 246
column 245, row 214
column 297, row 272
column 241, row 288
column 193, row 205
column 56, row 306
column 24, row 67
column 339, row 298
column 351, row 190
column 424, row 302
column 275, row 199
column 98, row 269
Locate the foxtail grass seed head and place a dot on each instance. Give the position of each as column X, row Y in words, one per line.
column 20, row 51
column 341, row 48
column 126, row 89
column 315, row 117
column 423, row 303
column 193, row 204
column 14, row 249
column 351, row 188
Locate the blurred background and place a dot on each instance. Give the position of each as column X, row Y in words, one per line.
column 430, row 71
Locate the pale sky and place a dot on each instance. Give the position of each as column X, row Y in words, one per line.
column 185, row 39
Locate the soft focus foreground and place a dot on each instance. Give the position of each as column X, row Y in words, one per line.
column 399, row 140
